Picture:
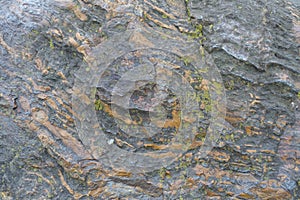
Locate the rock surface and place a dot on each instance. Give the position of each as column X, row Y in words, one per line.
column 249, row 55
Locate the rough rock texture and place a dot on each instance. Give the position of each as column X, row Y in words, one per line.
column 253, row 44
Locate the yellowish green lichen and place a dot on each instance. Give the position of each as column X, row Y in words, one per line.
column 51, row 44
column 98, row 105
column 186, row 60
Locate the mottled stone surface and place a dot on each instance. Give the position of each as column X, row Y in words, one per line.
column 46, row 46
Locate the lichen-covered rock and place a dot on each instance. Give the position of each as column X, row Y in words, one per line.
column 127, row 99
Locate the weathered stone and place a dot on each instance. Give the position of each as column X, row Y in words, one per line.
column 48, row 46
